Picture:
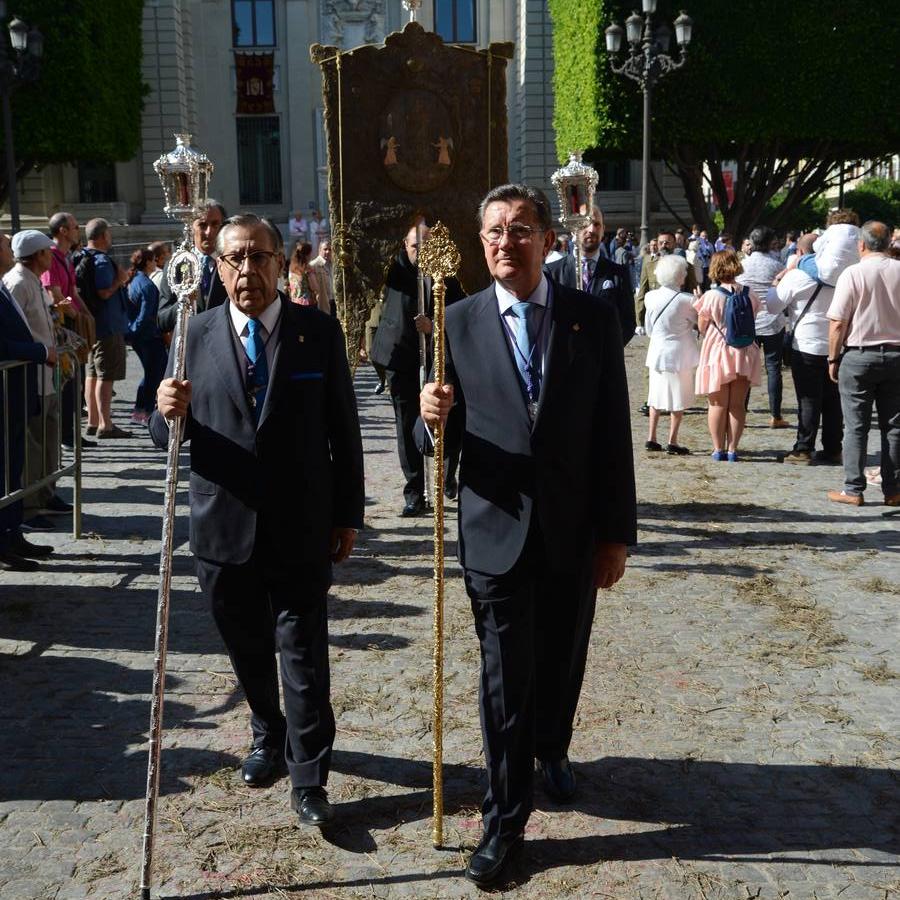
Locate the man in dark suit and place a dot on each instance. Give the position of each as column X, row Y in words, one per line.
column 395, row 348
column 276, row 496
column 546, row 506
column 205, row 230
column 599, row 276
column 17, row 406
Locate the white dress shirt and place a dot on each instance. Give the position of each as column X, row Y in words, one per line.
column 539, row 296
column 792, row 294
column 269, row 319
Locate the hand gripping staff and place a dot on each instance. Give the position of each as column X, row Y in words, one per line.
column 439, row 258
column 184, row 174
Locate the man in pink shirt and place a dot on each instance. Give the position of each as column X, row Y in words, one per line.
column 60, row 283
column 864, row 359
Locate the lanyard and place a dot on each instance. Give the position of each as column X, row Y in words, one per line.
column 530, row 384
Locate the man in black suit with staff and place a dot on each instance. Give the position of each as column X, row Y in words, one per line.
column 276, row 496
column 600, row 276
column 546, row 503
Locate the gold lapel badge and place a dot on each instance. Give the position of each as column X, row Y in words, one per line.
column 576, row 327
column 300, row 338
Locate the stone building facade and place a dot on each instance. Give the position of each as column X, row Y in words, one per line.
column 274, row 162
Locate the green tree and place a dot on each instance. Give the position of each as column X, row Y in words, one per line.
column 86, row 105
column 784, row 94
column 876, row 198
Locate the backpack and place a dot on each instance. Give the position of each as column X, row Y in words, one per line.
column 85, row 278
column 740, row 320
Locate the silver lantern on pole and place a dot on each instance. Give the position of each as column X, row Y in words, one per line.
column 412, row 7
column 184, row 173
column 575, row 184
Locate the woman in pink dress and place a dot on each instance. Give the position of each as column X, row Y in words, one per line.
column 725, row 373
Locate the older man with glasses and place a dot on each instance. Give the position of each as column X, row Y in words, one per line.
column 276, row 496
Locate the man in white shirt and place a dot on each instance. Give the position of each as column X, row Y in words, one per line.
column 805, row 301
column 864, row 359
column 33, row 257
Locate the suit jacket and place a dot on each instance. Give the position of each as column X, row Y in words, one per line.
column 396, row 342
column 648, row 280
column 168, row 300
column 609, row 281
column 17, row 343
column 573, row 468
column 295, row 476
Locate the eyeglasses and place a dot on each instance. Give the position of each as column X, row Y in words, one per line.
column 257, row 259
column 518, row 234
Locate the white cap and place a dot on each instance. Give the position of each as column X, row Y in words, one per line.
column 28, row 242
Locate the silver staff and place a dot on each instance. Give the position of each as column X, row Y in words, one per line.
column 575, row 184
column 185, row 175
column 423, row 346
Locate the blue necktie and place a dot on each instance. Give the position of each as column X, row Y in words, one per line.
column 587, row 273
column 206, row 277
column 258, row 368
column 525, row 361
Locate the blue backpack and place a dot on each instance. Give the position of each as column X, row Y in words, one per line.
column 740, row 320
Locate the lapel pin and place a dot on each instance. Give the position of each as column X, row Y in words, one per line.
column 576, row 327
column 300, row 338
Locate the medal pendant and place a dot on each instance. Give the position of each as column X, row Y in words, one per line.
column 532, row 409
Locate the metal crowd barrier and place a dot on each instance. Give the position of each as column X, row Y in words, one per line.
column 74, row 467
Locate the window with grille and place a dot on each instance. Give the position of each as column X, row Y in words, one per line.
column 454, row 20
column 96, row 182
column 259, row 159
column 253, row 23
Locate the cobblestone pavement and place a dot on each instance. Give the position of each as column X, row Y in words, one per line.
column 737, row 735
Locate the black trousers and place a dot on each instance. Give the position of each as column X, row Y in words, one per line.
column 533, row 624
column 11, row 516
column 404, row 387
column 264, row 606
column 818, row 401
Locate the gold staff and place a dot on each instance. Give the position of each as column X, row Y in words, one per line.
column 438, row 257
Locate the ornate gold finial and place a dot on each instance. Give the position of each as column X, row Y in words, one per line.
column 439, row 257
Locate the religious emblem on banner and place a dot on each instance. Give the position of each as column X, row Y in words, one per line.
column 255, row 83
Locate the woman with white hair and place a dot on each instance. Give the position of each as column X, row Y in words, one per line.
column 672, row 355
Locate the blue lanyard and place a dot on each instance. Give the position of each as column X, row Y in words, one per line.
column 530, row 386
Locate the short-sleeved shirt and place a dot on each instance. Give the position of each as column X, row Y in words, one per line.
column 61, row 274
column 112, row 317
column 868, row 295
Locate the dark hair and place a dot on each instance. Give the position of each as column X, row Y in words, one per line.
column 250, row 220
column 139, row 261
column 96, row 228
column 507, row 192
column 761, row 239
column 300, row 256
column 876, row 236
column 159, row 248
column 57, row 222
column 209, row 204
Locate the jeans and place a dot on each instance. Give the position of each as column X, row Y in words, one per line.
column 773, row 348
column 866, row 376
column 151, row 352
column 818, row 400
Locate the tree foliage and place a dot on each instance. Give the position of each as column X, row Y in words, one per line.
column 876, row 198
column 785, row 94
column 86, row 104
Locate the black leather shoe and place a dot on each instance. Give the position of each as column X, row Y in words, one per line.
column 21, row 547
column 261, row 766
column 488, row 863
column 38, row 523
column 56, row 506
column 312, row 806
column 412, row 509
column 451, row 488
column 12, row 562
column 559, row 779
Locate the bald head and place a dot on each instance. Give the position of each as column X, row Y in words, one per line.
column 805, row 244
column 875, row 237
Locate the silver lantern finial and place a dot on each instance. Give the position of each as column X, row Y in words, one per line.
column 184, row 173
column 575, row 183
column 412, row 6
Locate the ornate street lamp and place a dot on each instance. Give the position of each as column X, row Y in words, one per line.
column 575, row 184
column 19, row 64
column 647, row 61
column 185, row 174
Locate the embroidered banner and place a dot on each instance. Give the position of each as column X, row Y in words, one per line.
column 255, row 83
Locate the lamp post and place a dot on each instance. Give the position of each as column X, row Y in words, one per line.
column 647, row 61
column 19, row 64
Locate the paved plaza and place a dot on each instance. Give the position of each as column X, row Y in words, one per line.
column 737, row 735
